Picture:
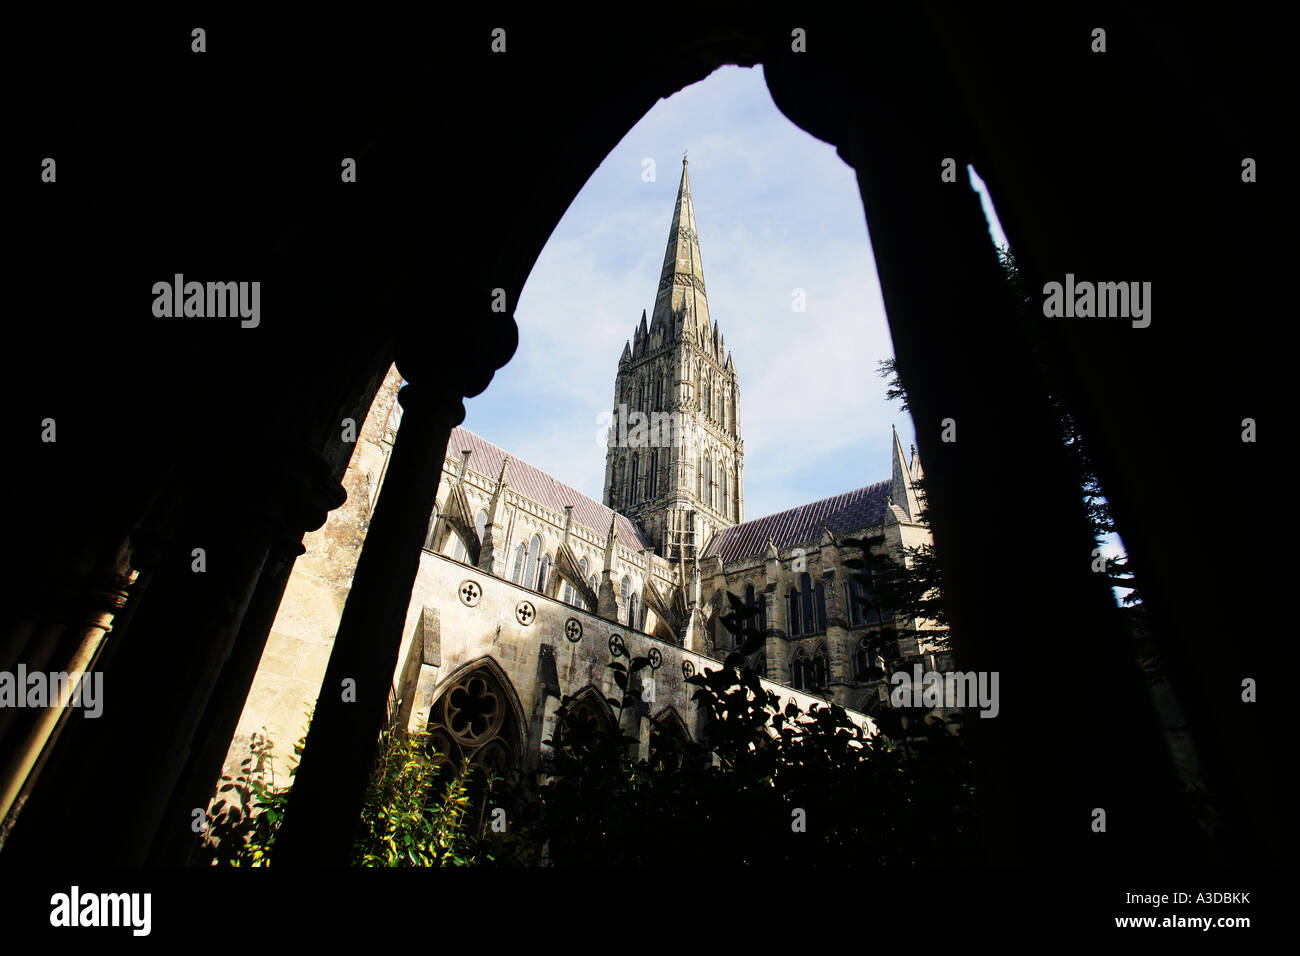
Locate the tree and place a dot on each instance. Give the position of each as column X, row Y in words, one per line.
column 1117, row 570
column 767, row 784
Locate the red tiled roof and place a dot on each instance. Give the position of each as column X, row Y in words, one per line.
column 842, row 514
column 485, row 458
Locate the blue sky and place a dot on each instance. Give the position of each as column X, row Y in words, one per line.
column 776, row 210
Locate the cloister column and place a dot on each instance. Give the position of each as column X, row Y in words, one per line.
column 964, row 363
column 301, row 492
column 352, row 708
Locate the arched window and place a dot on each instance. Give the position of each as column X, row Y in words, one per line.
column 530, row 569
column 724, row 491
column 708, row 477
column 652, row 480
column 699, row 476
column 543, row 575
column 861, row 661
column 755, row 600
column 809, row 604
column 799, row 670
column 456, row 549
column 472, row 721
column 521, row 554
column 633, row 620
column 659, row 394
column 821, row 666
column 819, row 604
column 625, row 590
column 480, row 524
column 792, row 613
column 595, row 587
column 634, row 497
column 856, row 594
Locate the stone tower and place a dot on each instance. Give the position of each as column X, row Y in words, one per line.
column 675, row 463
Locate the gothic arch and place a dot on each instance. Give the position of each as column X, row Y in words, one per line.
column 589, row 707
column 476, row 715
column 669, row 739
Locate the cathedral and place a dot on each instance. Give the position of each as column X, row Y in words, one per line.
column 527, row 587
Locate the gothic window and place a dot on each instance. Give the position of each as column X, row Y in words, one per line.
column 699, row 477
column 595, row 587
column 792, row 612
column 652, row 480
column 544, row 573
column 580, row 722
column 472, row 721
column 521, row 554
column 625, row 590
column 724, row 491
column 530, row 569
column 668, row 742
column 633, row 621
column 749, row 602
column 635, row 478
column 799, row 671
column 756, row 601
column 810, row 622
column 861, row 660
column 480, row 524
column 819, row 604
column 858, row 612
column 456, row 549
column 820, row 668
column 659, row 394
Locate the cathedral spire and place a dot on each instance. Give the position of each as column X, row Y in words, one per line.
column 681, row 280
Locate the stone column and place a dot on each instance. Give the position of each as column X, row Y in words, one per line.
column 303, row 491
column 955, row 329
column 169, row 663
column 777, row 650
column 838, row 639
column 352, row 708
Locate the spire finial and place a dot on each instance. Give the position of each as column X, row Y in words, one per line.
column 684, row 157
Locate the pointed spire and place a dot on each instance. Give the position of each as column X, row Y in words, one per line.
column 681, row 281
column 498, row 497
column 627, row 354
column 901, row 489
column 611, row 543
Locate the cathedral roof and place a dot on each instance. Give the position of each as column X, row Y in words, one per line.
column 842, row 514
column 537, row 485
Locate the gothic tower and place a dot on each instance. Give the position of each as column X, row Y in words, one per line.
column 675, row 463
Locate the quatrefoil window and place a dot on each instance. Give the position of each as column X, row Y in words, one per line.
column 470, row 593
column 573, row 629
column 525, row 612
